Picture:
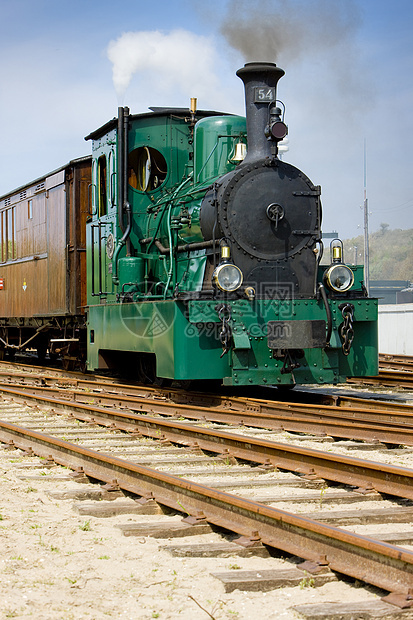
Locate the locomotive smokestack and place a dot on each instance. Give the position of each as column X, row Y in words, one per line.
column 260, row 81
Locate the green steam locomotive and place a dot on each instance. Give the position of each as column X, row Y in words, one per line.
column 204, row 253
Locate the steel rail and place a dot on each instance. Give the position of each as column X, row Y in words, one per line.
column 399, row 362
column 399, row 366
column 34, row 376
column 95, row 382
column 108, row 388
column 372, row 411
column 383, row 565
column 380, row 477
column 386, row 378
column 386, row 406
column 349, row 423
column 396, row 375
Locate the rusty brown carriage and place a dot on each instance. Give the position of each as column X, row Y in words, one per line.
column 43, row 264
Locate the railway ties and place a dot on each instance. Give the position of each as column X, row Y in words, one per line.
column 387, row 423
column 267, row 484
column 260, row 414
column 231, row 445
column 257, row 522
column 206, row 505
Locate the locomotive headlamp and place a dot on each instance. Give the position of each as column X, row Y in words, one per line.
column 339, row 278
column 227, row 277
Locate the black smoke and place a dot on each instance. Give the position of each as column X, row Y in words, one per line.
column 269, row 29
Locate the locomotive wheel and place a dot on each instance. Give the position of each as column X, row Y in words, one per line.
column 186, row 384
column 147, row 372
column 286, row 387
column 69, row 363
column 42, row 349
column 11, row 353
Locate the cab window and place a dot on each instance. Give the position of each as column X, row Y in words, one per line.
column 147, row 169
column 102, row 186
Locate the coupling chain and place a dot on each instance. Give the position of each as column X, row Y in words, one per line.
column 347, row 329
column 224, row 314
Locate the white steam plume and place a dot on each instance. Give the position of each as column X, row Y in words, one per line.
column 178, row 59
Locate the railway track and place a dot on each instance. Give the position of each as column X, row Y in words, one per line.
column 281, row 474
column 395, row 371
column 386, row 379
column 396, row 362
column 254, row 521
column 338, row 416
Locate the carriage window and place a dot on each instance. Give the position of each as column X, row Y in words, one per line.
column 147, row 169
column 30, row 209
column 102, row 186
column 2, row 238
column 11, row 234
column 14, row 233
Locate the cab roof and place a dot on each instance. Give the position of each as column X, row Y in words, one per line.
column 154, row 112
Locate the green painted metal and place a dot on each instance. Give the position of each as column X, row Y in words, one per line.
column 215, row 140
column 184, row 336
column 141, row 314
column 132, row 274
column 160, row 327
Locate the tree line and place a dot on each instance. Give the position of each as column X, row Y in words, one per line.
column 391, row 253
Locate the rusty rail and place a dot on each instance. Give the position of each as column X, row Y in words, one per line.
column 383, row 565
column 306, row 461
column 397, row 362
column 109, row 389
column 348, row 422
column 389, row 378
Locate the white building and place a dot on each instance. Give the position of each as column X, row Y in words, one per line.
column 396, row 329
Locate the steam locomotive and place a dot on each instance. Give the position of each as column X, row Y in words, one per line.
column 203, row 256
column 205, row 263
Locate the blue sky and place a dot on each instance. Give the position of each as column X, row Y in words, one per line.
column 66, row 67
